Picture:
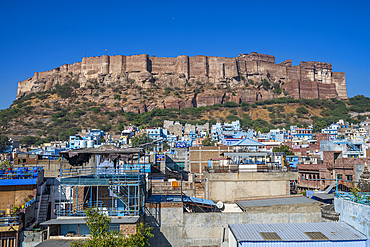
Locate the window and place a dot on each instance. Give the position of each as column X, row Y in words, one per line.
column 339, row 176
column 7, row 242
column 349, row 177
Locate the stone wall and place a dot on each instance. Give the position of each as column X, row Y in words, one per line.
column 311, row 89
column 306, row 80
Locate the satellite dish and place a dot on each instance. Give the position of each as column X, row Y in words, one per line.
column 219, row 205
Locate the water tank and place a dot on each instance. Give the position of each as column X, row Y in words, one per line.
column 83, row 144
column 220, row 205
column 90, row 144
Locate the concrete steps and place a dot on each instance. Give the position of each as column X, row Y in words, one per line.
column 43, row 208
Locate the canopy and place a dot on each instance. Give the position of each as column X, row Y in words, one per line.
column 248, row 142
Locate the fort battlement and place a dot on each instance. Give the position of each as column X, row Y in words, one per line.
column 307, row 80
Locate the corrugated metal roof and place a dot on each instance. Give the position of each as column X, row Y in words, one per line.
column 334, row 231
column 324, row 196
column 177, row 198
column 274, row 201
column 56, row 243
column 248, row 142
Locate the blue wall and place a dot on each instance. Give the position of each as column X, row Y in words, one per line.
column 84, row 229
column 354, row 214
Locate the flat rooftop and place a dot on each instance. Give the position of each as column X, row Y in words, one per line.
column 244, row 204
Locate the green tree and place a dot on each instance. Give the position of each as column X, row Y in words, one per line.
column 301, row 110
column 98, row 223
column 29, row 140
column 5, row 165
column 283, row 148
column 266, row 84
column 139, row 140
column 319, row 125
column 4, row 141
column 208, row 142
column 102, row 236
column 121, row 126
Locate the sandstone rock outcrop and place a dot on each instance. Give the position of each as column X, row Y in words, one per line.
column 205, row 79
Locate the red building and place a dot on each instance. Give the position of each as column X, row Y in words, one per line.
column 320, row 176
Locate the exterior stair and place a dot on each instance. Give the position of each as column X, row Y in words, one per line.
column 43, row 208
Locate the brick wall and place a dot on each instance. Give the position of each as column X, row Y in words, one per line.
column 81, row 196
column 332, row 160
column 16, row 195
column 127, row 229
column 25, row 159
column 321, row 137
column 199, row 157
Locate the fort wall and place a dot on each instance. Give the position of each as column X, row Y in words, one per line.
column 306, row 80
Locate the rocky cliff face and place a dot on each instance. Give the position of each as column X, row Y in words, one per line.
column 150, row 82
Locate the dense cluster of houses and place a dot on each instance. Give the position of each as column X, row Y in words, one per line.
column 223, row 172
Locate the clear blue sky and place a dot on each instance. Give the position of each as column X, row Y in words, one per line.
column 41, row 35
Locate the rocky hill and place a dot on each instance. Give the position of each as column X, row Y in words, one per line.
column 141, row 83
column 57, row 114
column 110, row 91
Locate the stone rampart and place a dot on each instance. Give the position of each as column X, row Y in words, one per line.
column 306, row 80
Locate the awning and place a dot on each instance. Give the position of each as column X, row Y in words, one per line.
column 81, row 220
column 177, row 198
column 248, row 142
column 324, row 196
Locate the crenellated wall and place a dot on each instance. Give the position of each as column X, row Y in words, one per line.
column 306, row 80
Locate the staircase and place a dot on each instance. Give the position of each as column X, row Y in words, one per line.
column 330, row 188
column 120, row 191
column 121, row 194
column 43, row 208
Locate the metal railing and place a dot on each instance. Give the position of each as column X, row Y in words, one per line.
column 362, row 197
column 8, row 219
column 99, row 171
column 104, row 210
column 29, row 203
column 259, row 168
column 20, row 173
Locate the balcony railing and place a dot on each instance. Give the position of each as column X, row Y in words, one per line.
column 8, row 219
column 20, row 173
column 362, row 197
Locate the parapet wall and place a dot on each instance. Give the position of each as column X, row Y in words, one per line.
column 306, row 80
column 228, row 187
column 354, row 214
column 174, row 227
